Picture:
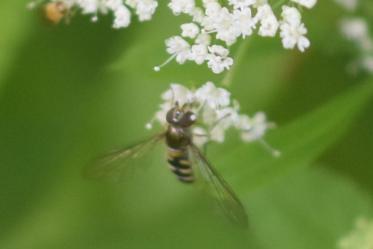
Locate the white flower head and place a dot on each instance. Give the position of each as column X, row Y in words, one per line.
column 211, row 22
column 215, row 113
column 214, row 21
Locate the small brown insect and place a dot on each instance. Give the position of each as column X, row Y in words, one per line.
column 55, row 11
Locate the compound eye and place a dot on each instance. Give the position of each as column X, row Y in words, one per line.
column 177, row 115
column 188, row 119
column 170, row 115
column 174, row 115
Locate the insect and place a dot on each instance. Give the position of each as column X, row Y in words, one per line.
column 183, row 157
column 55, row 11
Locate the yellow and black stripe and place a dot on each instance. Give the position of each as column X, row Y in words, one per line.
column 180, row 164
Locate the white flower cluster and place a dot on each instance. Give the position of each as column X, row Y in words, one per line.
column 214, row 25
column 216, row 113
column 356, row 30
column 121, row 10
column 360, row 238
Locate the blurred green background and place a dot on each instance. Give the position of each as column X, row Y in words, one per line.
column 70, row 92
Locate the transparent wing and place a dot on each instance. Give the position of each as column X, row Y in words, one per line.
column 118, row 160
column 227, row 199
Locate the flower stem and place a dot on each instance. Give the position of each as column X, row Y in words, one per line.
column 238, row 57
column 279, row 3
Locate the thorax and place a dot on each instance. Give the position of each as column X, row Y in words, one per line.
column 178, row 137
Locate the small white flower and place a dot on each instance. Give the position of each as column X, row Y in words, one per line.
column 204, row 39
column 178, row 93
column 179, row 48
column 357, row 30
column 291, row 15
column 241, row 4
column 225, row 119
column 257, row 127
column 243, row 123
column 244, row 21
column 197, row 14
column 268, row 21
column 306, row 3
column 122, row 17
column 145, row 9
column 111, row 4
column 190, row 30
column 88, row 6
column 199, row 53
column 293, row 30
column 218, row 59
column 181, row 6
column 226, row 28
column 367, row 63
column 212, row 96
column 200, row 136
column 294, row 36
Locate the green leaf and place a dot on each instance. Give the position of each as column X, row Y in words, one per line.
column 308, row 209
column 301, row 142
column 14, row 27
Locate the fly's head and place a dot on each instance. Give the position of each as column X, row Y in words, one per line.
column 180, row 117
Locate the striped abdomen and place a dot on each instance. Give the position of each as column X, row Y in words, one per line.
column 180, row 164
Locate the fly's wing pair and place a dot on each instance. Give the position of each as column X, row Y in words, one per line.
column 226, row 198
column 116, row 161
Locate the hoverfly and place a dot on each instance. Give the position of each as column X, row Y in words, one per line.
column 183, row 157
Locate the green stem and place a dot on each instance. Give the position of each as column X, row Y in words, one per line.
column 229, row 76
column 278, row 4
